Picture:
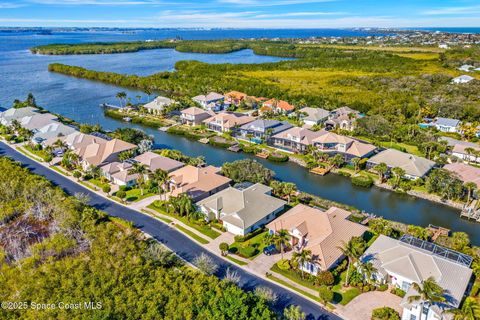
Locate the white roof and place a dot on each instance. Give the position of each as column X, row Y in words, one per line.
column 17, row 114
column 158, row 103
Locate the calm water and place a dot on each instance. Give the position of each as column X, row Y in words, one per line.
column 22, row 72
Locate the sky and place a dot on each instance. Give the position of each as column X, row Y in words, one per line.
column 240, row 13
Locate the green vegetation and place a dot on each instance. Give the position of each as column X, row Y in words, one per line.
column 239, row 262
column 191, row 234
column 247, row 170
column 252, row 246
column 385, row 313
column 197, row 132
column 149, row 121
column 76, row 253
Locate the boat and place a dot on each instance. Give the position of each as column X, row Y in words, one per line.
column 127, row 119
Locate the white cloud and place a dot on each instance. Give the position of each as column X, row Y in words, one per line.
column 453, row 10
column 101, row 2
column 10, row 5
column 270, row 3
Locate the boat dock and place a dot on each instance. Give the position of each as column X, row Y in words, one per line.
column 320, row 171
column 471, row 211
column 203, row 140
column 110, row 106
column 438, row 231
column 263, row 155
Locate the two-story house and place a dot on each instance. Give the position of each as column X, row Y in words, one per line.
column 227, row 121
column 194, row 116
column 295, row 139
column 261, row 130
column 343, row 118
column 333, row 143
column 212, row 101
column 277, row 106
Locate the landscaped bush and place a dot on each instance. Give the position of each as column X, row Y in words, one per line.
column 362, row 181
column 248, row 149
column 284, row 264
column 248, row 235
column 121, row 194
column 385, row 313
column 344, row 173
column 382, row 287
column 325, row 294
column 324, row 278
column 277, row 157
column 247, row 252
column 398, row 292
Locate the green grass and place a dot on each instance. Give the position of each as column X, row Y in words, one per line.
column 23, row 151
column 204, row 229
column 256, row 242
column 134, row 195
column 56, row 168
column 191, row 234
column 239, row 262
column 88, row 186
column 42, row 154
column 98, row 183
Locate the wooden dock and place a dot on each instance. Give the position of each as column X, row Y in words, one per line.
column 438, row 231
column 234, row 148
column 320, row 171
column 263, row 155
column 203, row 140
column 471, row 211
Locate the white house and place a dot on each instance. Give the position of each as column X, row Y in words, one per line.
column 466, row 68
column 212, row 101
column 157, row 105
column 409, row 260
column 447, row 124
column 462, row 79
column 467, row 151
column 242, row 210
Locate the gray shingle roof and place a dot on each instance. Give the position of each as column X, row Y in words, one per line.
column 447, row 122
column 413, row 165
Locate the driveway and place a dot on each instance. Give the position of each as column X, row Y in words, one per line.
column 362, row 306
column 175, row 240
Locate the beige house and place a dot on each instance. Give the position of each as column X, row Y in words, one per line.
column 242, row 211
column 333, row 143
column 295, row 139
column 101, row 152
column 194, row 116
column 343, row 118
column 465, row 172
column 155, row 161
column 321, row 232
column 463, row 150
column 7, row 116
column 37, row 121
column 198, row 183
column 227, row 121
column 118, row 173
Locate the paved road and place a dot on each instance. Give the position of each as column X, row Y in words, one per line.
column 175, row 240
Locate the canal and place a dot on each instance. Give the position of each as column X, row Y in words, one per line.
column 22, row 72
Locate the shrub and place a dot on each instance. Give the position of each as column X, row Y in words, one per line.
column 325, row 278
column 121, row 194
column 325, row 294
column 106, row 188
column 266, row 294
column 247, row 252
column 366, row 288
column 223, row 247
column 362, row 181
column 277, row 157
column 382, row 287
column 344, row 173
column 248, row 236
column 77, row 174
column 398, row 292
column 284, row 264
column 385, row 313
column 205, row 263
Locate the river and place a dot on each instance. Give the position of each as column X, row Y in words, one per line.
column 22, row 72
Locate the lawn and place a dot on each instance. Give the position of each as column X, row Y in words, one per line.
column 191, row 234
column 98, row 183
column 256, row 242
column 239, row 262
column 134, row 195
column 341, row 295
column 56, row 168
column 42, row 154
column 204, row 229
column 30, row 155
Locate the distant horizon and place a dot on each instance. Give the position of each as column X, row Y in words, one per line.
column 269, row 14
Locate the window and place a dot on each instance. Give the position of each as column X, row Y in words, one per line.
column 405, row 286
column 413, row 317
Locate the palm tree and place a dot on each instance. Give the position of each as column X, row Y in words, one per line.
column 429, row 292
column 368, row 269
column 122, row 95
column 141, row 170
column 470, row 186
column 381, row 169
column 336, row 161
column 356, row 163
column 60, row 144
column 469, row 151
column 161, row 178
column 281, row 239
column 302, row 257
column 94, row 171
column 398, row 173
column 470, row 310
column 352, row 252
column 288, row 189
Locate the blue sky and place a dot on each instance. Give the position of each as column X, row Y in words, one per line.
column 241, row 13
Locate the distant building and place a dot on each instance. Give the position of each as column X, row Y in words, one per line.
column 447, row 124
column 47, row 135
column 343, row 118
column 242, row 211
column 261, row 129
column 227, row 121
column 466, row 67
column 37, row 121
column 157, row 105
column 234, row 98
column 414, row 166
column 462, row 79
column 210, row 100
column 194, row 116
column 314, row 115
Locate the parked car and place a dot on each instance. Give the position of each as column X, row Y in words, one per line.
column 271, row 249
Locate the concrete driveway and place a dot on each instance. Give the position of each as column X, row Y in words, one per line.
column 362, row 306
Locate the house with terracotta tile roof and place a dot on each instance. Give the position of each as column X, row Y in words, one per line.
column 321, row 232
column 295, row 139
column 195, row 116
column 234, row 97
column 227, row 121
column 101, row 152
column 155, row 161
column 333, row 143
column 464, row 172
column 242, row 211
column 277, row 106
column 197, row 183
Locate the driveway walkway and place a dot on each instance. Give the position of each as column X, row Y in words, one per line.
column 362, row 306
column 182, row 245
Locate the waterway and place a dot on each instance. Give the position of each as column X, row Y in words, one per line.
column 22, row 72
